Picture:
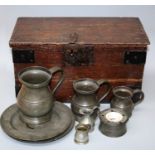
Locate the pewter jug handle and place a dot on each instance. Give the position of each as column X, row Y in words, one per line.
column 138, row 96
column 55, row 70
column 102, row 82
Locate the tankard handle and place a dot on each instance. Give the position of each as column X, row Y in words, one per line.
column 138, row 96
column 102, row 82
column 55, row 70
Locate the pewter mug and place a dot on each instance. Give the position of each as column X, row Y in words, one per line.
column 126, row 98
column 35, row 98
column 86, row 95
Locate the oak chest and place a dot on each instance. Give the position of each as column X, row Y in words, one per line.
column 108, row 48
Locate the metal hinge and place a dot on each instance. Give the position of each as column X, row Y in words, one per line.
column 23, row 56
column 134, row 57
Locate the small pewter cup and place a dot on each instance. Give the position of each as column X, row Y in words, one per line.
column 126, row 98
column 81, row 135
column 86, row 125
column 87, row 117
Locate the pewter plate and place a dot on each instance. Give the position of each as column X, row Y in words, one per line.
column 62, row 121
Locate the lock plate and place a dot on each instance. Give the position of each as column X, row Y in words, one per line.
column 135, row 57
column 78, row 55
column 23, row 56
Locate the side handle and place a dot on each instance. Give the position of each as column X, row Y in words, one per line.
column 102, row 82
column 55, row 70
column 138, row 96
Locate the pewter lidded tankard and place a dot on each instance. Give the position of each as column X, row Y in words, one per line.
column 35, row 98
column 85, row 98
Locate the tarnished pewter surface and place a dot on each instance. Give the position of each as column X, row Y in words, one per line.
column 81, row 134
column 86, row 95
column 35, row 99
column 126, row 98
column 62, row 121
column 112, row 128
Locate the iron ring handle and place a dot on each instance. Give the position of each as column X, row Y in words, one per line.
column 140, row 98
column 53, row 71
column 102, row 82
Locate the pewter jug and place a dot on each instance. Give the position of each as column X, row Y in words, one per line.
column 85, row 97
column 35, row 98
column 126, row 98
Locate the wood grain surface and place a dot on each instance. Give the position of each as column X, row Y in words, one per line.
column 110, row 38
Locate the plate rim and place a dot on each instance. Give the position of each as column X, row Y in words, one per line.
column 65, row 132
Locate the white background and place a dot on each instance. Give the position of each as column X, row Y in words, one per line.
column 140, row 129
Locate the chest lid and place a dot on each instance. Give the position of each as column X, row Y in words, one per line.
column 34, row 31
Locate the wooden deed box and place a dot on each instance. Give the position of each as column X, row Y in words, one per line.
column 100, row 48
